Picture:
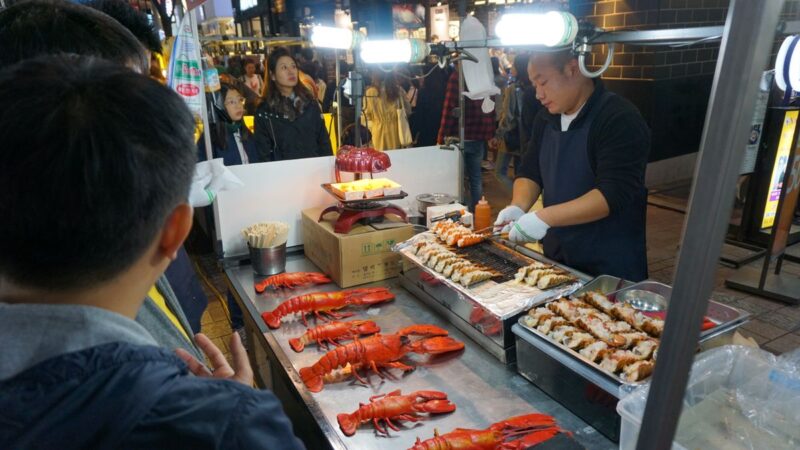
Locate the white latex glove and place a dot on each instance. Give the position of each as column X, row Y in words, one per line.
column 507, row 216
column 528, row 228
column 211, row 177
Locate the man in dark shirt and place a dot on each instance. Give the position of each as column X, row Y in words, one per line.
column 587, row 157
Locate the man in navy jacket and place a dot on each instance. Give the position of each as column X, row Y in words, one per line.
column 94, row 201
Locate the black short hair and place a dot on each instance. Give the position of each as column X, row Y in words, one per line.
column 90, row 170
column 135, row 21
column 45, row 27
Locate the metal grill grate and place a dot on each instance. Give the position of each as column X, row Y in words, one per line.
column 494, row 258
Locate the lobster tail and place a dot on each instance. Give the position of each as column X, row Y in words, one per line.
column 296, row 344
column 347, row 424
column 312, row 381
column 271, row 319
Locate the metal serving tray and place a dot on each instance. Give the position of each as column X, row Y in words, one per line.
column 465, row 311
column 725, row 317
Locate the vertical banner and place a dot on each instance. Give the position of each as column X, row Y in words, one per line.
column 788, row 204
column 185, row 69
column 779, row 168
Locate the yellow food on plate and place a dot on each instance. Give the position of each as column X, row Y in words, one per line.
column 367, row 188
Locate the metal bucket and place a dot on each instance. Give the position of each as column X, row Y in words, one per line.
column 424, row 201
column 268, row 261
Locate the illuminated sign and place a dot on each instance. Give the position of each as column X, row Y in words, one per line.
column 779, row 169
column 247, row 4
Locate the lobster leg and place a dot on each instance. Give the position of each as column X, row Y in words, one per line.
column 337, row 316
column 408, row 417
column 375, row 368
column 391, row 425
column 398, row 365
column 303, row 318
column 358, row 377
column 381, row 429
column 332, row 342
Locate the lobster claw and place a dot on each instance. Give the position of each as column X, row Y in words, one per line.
column 436, row 406
column 365, row 327
column 368, row 296
column 435, row 345
column 422, row 330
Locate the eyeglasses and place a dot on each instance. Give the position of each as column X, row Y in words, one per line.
column 235, row 102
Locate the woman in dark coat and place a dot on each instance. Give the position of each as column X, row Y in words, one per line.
column 289, row 121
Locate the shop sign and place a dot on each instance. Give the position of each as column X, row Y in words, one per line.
column 779, row 169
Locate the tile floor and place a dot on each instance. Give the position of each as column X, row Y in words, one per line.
column 774, row 326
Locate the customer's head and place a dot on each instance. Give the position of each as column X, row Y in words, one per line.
column 99, row 191
column 283, row 75
column 557, row 79
column 250, row 67
column 43, row 27
column 135, row 21
column 519, row 69
column 233, row 101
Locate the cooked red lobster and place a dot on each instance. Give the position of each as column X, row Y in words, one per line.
column 291, row 280
column 511, row 434
column 331, row 333
column 360, row 160
column 378, row 352
column 386, row 407
column 325, row 303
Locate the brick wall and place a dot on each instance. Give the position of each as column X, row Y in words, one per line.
column 648, row 63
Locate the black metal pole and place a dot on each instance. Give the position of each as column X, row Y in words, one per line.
column 746, row 43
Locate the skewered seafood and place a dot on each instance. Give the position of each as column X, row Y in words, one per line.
column 543, row 276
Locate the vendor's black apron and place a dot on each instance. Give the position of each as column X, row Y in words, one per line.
column 614, row 245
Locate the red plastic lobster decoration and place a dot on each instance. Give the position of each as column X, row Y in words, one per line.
column 380, row 352
column 325, row 303
column 291, row 280
column 393, row 406
column 360, row 160
column 511, row 434
column 331, row 333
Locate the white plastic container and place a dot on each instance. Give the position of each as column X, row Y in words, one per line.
column 736, row 398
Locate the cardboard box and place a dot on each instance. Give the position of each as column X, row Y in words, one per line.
column 362, row 256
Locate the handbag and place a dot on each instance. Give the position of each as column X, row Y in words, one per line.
column 403, row 130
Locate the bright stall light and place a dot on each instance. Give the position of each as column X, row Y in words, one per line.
column 554, row 28
column 332, row 37
column 788, row 60
column 394, row 51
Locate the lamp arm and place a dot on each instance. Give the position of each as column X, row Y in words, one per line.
column 582, row 62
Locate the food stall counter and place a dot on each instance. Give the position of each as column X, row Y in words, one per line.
column 484, row 390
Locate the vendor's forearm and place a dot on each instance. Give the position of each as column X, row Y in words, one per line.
column 590, row 207
column 526, row 192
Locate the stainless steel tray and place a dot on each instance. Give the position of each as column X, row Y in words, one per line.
column 726, row 317
column 474, row 296
column 586, row 361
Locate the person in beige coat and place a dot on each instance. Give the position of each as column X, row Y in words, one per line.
column 384, row 100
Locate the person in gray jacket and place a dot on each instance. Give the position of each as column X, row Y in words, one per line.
column 76, row 264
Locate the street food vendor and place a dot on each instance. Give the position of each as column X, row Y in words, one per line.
column 587, row 158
